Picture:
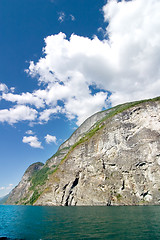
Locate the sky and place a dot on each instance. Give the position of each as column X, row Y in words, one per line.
column 62, row 61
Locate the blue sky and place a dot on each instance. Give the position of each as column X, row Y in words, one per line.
column 60, row 62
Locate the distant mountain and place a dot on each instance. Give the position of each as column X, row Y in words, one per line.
column 4, row 199
column 113, row 158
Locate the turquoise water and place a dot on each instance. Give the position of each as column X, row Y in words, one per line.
column 33, row 223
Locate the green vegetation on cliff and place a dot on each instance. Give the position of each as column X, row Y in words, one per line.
column 40, row 177
column 34, row 197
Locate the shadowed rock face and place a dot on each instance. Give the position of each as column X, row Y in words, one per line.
column 117, row 165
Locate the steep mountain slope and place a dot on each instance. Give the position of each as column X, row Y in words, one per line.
column 22, row 190
column 4, row 199
column 112, row 159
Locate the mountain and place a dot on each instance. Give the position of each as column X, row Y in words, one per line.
column 23, row 187
column 4, row 199
column 113, row 158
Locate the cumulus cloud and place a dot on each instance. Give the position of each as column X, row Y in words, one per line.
column 134, row 37
column 50, row 138
column 46, row 114
column 24, row 98
column 18, row 113
column 85, row 107
column 2, row 188
column 4, row 89
column 125, row 63
column 67, row 69
column 32, row 141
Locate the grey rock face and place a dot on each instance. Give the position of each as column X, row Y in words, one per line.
column 22, row 189
column 118, row 165
column 76, row 136
column 86, row 125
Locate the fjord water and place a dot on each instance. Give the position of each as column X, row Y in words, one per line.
column 33, row 223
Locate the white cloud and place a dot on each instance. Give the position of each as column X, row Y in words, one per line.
column 32, row 141
column 126, row 64
column 72, row 17
column 17, row 113
column 12, row 89
column 24, row 98
column 3, row 87
column 29, row 132
column 134, row 36
column 61, row 17
column 70, row 81
column 10, row 186
column 50, row 138
column 85, row 107
column 102, row 31
column 46, row 114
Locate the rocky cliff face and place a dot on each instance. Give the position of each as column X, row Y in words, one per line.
column 112, row 160
column 21, row 191
column 86, row 126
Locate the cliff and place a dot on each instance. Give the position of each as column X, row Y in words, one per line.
column 112, row 159
column 22, row 190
